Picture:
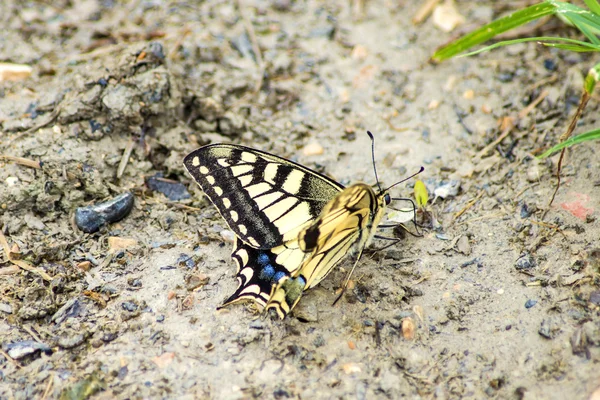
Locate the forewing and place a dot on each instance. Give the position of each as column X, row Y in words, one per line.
column 346, row 221
column 265, row 200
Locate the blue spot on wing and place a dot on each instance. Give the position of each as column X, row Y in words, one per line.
column 279, row 275
column 263, row 259
column 267, row 272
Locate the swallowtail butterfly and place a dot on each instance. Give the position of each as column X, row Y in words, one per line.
column 292, row 224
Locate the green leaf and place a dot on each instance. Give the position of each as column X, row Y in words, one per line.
column 576, row 45
column 421, row 195
column 592, row 79
column 593, row 5
column 494, row 28
column 584, row 137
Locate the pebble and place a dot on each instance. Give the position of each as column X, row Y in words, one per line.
column 408, row 328
column 469, row 94
column 71, row 308
column 84, row 265
column 525, row 262
column 71, row 341
column 228, row 235
column 433, row 104
column 11, row 181
column 116, row 244
column 14, row 72
column 446, row 16
column 23, row 348
column 6, row 308
column 530, row 303
column 91, row 218
column 351, row 368
column 313, row 149
column 447, row 189
column 533, row 173
column 174, row 190
column 306, row 311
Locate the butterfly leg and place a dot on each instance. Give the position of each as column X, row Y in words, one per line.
column 347, row 280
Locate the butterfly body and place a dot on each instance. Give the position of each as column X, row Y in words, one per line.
column 292, row 225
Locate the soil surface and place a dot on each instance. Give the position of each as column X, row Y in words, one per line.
column 499, row 298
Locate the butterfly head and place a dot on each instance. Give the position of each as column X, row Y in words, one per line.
column 387, row 199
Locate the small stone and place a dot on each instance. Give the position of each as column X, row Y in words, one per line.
column 14, row 72
column 351, row 368
column 6, row 308
column 84, row 265
column 463, row 245
column 174, row 190
column 408, row 328
column 433, row 104
column 533, row 173
column 448, row 189
column 91, row 218
column 115, row 243
column 228, row 235
column 23, row 348
column 306, row 311
column 469, row 94
column 164, row 359
column 129, row 306
column 11, row 181
column 313, row 149
column 195, row 281
column 446, row 16
column 525, row 262
column 530, row 303
column 359, row 52
column 595, row 297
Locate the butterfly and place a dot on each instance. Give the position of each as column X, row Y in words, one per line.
column 292, row 225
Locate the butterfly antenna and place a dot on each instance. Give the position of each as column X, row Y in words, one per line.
column 373, row 158
column 405, row 179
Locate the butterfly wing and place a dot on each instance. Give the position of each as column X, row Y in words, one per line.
column 265, row 200
column 350, row 219
column 260, row 269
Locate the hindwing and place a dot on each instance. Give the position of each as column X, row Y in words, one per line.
column 258, row 270
column 265, row 200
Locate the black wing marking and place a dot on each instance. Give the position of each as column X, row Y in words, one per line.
column 258, row 272
column 264, row 199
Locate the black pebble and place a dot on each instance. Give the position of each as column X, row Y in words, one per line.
column 530, row 303
column 525, row 262
column 173, row 190
column 91, row 218
column 129, row 306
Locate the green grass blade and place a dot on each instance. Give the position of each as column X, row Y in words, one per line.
column 587, row 22
column 573, row 47
column 545, row 40
column 584, row 137
column 494, row 28
column 593, row 5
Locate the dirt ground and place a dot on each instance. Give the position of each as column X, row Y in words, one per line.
column 503, row 292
